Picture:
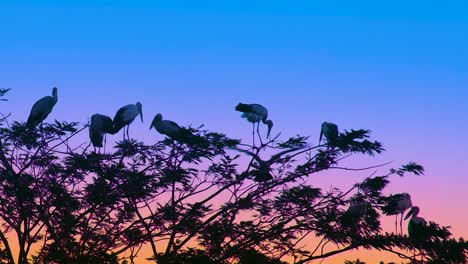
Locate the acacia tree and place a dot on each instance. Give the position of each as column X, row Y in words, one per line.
column 210, row 200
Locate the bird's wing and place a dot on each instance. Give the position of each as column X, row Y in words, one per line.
column 260, row 110
column 244, row 108
column 118, row 119
column 172, row 123
column 120, row 112
column 96, row 137
column 40, row 110
column 391, row 206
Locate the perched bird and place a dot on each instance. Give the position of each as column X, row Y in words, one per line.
column 416, row 224
column 174, row 131
column 166, row 127
column 99, row 127
column 262, row 170
column 41, row 109
column 355, row 212
column 255, row 113
column 330, row 131
column 125, row 116
column 397, row 204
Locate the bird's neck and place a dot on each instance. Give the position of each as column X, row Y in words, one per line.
column 157, row 124
column 54, row 97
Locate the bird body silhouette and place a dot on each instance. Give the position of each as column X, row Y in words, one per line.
column 99, row 127
column 166, row 127
column 125, row 116
column 41, row 109
column 255, row 113
column 329, row 131
column 174, row 131
column 397, row 204
column 416, row 224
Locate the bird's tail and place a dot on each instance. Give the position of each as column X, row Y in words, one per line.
column 243, row 108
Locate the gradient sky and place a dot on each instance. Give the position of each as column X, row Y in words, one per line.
column 399, row 68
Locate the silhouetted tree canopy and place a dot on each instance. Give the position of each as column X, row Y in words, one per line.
column 211, row 200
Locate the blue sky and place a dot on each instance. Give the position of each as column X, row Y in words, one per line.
column 399, row 68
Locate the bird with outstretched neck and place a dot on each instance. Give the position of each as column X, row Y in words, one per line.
column 41, row 109
column 255, row 113
column 125, row 116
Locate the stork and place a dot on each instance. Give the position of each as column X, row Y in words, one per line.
column 262, row 172
column 41, row 109
column 166, row 127
column 125, row 116
column 397, row 204
column 174, row 131
column 416, row 224
column 254, row 113
column 99, row 127
column 330, row 131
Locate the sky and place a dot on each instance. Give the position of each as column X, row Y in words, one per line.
column 399, row 68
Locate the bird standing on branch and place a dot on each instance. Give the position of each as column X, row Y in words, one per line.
column 174, row 131
column 416, row 224
column 397, row 204
column 255, row 113
column 125, row 116
column 99, row 127
column 41, row 109
column 330, row 131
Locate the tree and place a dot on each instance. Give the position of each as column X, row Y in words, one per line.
column 210, row 200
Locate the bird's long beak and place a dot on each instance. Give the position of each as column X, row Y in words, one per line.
column 141, row 115
column 410, row 213
column 270, row 125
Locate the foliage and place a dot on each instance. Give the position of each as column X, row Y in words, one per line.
column 197, row 201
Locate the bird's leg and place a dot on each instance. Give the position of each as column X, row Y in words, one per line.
column 105, row 139
column 401, row 224
column 253, row 135
column 128, row 132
